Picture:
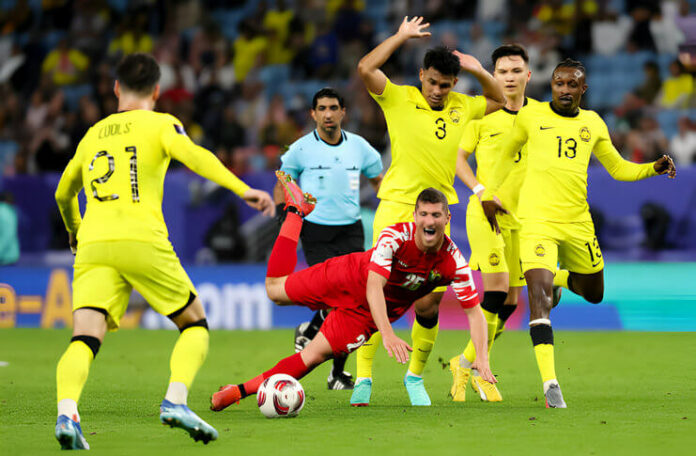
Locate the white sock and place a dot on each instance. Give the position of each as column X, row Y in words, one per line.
column 411, row 374
column 548, row 383
column 361, row 379
column 68, row 407
column 463, row 362
column 176, row 393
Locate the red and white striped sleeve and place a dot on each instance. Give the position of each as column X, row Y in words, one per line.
column 463, row 282
column 390, row 240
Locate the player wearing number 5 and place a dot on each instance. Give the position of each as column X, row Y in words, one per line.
column 553, row 210
column 122, row 242
column 425, row 126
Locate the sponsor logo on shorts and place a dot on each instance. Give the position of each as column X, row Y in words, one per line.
column 585, row 134
column 358, row 342
column 539, row 250
column 494, row 259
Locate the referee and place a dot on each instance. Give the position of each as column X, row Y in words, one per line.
column 328, row 162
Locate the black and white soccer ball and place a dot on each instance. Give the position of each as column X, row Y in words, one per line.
column 280, row 396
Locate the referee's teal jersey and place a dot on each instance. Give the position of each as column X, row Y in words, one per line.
column 332, row 174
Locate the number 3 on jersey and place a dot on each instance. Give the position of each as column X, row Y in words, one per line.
column 135, row 194
column 440, row 130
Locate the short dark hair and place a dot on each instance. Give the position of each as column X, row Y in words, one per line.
column 570, row 63
column 138, row 73
column 432, row 195
column 507, row 50
column 443, row 60
column 327, row 92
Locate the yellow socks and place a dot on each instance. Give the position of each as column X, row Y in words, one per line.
column 187, row 358
column 72, row 370
column 365, row 356
column 542, row 338
column 561, row 278
column 423, row 341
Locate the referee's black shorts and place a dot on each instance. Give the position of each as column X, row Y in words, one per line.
column 321, row 242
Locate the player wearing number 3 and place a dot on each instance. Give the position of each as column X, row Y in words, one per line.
column 122, row 242
column 553, row 210
column 425, row 126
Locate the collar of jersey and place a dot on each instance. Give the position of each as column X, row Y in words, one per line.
column 318, row 138
column 567, row 116
column 422, row 103
column 514, row 113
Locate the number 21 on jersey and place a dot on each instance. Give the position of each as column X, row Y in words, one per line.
column 111, row 163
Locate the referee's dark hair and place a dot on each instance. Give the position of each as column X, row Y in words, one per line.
column 328, row 92
column 138, row 73
column 506, row 50
column 433, row 195
column 570, row 63
column 443, row 60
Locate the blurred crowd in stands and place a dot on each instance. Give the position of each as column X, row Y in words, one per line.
column 240, row 74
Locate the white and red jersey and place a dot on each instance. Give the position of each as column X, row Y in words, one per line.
column 341, row 282
column 412, row 273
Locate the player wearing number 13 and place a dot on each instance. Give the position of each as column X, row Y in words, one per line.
column 553, row 210
column 121, row 163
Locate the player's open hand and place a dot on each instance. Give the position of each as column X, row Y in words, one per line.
column 396, row 347
column 484, row 370
column 490, row 209
column 260, row 200
column 665, row 165
column 468, row 63
column 413, row 28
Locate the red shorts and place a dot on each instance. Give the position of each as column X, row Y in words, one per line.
column 335, row 284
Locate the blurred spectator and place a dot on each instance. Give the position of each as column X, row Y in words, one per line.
column 230, row 133
column 90, row 19
column 277, row 23
column 249, row 49
column 65, row 64
column 131, row 37
column 610, row 33
column 208, row 48
column 480, row 45
column 323, row 53
column 278, row 129
column 9, row 241
column 686, row 22
column 17, row 20
column 646, row 143
column 664, row 30
column 677, row 89
column 683, row 145
column 640, row 37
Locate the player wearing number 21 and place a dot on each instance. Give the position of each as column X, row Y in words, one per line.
column 122, row 242
column 553, row 209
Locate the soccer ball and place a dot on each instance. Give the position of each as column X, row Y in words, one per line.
column 280, row 395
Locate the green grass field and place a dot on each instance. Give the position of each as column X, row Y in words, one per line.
column 627, row 393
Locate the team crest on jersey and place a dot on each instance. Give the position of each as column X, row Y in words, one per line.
column 540, row 250
column 454, row 116
column 585, row 134
column 434, row 276
column 494, row 259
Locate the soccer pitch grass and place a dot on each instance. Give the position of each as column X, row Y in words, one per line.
column 627, row 393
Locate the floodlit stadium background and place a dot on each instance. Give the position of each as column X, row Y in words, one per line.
column 240, row 76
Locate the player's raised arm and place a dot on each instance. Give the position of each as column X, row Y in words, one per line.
column 369, row 66
column 495, row 98
column 204, row 163
column 69, row 186
column 624, row 170
column 395, row 346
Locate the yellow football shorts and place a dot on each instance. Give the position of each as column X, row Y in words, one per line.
column 572, row 246
column 492, row 252
column 106, row 272
column 391, row 212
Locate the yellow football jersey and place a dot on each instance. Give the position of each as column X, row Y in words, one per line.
column 484, row 138
column 558, row 154
column 423, row 141
column 121, row 163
